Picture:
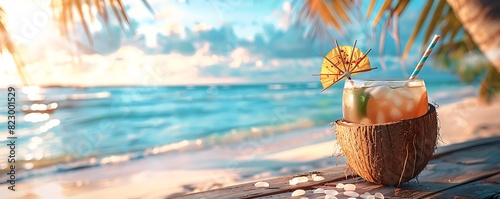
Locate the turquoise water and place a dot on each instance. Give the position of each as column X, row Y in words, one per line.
column 95, row 123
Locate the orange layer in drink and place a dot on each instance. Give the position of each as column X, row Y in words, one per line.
column 384, row 103
column 381, row 111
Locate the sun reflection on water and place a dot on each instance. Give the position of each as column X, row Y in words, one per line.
column 49, row 125
column 28, row 165
column 36, row 117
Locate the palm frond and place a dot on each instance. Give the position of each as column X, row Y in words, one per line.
column 370, row 9
column 451, row 57
column 7, row 44
column 438, row 12
column 385, row 6
column 323, row 15
column 66, row 12
column 400, row 7
column 85, row 26
column 490, row 86
column 418, row 26
column 148, row 6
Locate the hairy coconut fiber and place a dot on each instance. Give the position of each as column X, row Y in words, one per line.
column 390, row 153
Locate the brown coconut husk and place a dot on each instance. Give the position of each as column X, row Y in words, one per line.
column 392, row 153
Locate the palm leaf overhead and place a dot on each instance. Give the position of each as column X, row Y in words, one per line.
column 6, row 44
column 490, row 85
column 68, row 14
column 329, row 17
column 456, row 44
column 324, row 14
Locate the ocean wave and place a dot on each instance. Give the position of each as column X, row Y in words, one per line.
column 55, row 164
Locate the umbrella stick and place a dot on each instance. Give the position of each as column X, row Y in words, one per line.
column 340, row 54
column 357, row 64
column 352, row 53
column 343, row 75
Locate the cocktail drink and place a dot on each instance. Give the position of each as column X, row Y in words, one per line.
column 388, row 132
column 383, row 101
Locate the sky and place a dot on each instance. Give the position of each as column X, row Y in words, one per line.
column 183, row 42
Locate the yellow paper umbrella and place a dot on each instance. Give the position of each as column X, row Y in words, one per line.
column 342, row 62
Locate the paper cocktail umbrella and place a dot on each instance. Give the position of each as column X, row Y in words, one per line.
column 342, row 62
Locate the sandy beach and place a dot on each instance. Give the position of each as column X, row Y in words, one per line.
column 192, row 171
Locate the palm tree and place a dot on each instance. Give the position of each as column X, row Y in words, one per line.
column 465, row 26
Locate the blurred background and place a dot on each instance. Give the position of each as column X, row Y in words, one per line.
column 153, row 98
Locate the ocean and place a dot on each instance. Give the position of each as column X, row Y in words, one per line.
column 93, row 126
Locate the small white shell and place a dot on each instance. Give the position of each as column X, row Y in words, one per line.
column 302, row 179
column 379, row 195
column 261, row 184
column 366, row 195
column 298, row 192
column 351, row 194
column 331, row 192
column 340, row 186
column 318, row 178
column 319, row 190
column 349, row 187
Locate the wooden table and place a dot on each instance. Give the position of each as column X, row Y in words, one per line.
column 466, row 170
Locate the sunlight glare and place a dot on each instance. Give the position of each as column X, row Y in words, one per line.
column 202, row 27
column 7, row 62
column 51, row 190
column 28, row 157
column 30, row 90
column 36, row 117
column 27, row 21
column 11, row 7
column 287, row 7
column 28, row 166
column 259, row 63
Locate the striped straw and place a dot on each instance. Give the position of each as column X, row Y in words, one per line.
column 424, row 57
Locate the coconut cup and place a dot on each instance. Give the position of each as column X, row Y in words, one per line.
column 390, row 153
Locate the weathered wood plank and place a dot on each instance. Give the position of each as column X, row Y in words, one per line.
column 453, row 166
column 450, row 172
column 277, row 185
column 442, row 151
column 473, row 189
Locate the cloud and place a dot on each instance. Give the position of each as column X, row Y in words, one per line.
column 205, row 56
column 175, row 44
column 271, row 43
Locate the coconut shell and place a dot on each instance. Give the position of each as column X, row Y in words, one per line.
column 391, row 153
